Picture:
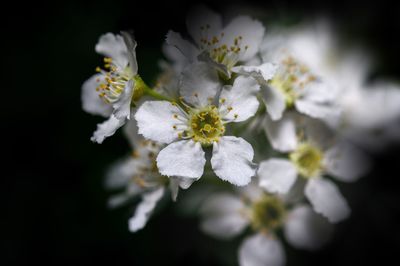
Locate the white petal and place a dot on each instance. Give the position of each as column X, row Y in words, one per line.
column 241, row 97
column 131, row 133
column 107, row 129
column 316, row 109
column 202, row 17
column 120, row 174
column 145, row 209
column 232, row 160
column 122, row 107
column 131, row 48
column 274, row 102
column 261, row 250
column 261, row 73
column 222, row 217
column 91, row 102
column 113, row 46
column 183, row 158
column 281, row 134
column 177, row 182
column 305, row 229
column 277, row 175
column 327, row 200
column 346, row 162
column 199, row 84
column 251, row 31
column 155, row 120
column 184, row 46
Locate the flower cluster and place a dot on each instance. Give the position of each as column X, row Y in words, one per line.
column 279, row 116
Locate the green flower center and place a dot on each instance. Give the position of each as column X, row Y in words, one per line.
column 206, row 125
column 308, row 160
column 268, row 213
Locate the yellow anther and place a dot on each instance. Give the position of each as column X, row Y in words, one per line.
column 174, row 127
column 107, row 59
column 98, row 69
column 235, row 116
column 175, row 116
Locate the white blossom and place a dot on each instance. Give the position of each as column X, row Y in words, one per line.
column 110, row 92
column 198, row 121
column 222, row 46
column 315, row 154
column 226, row 215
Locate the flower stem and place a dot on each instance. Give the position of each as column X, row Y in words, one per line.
column 153, row 93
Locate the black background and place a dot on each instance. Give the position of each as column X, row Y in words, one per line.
column 54, row 204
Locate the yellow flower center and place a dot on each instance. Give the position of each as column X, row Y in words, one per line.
column 308, row 160
column 115, row 80
column 268, row 213
column 205, row 125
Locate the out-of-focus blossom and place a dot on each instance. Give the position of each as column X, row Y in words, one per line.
column 137, row 175
column 224, row 47
column 226, row 215
column 317, row 152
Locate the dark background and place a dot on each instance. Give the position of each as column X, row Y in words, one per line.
column 54, row 203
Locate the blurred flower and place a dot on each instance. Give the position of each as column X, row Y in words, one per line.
column 222, row 46
column 226, row 215
column 199, row 120
column 138, row 175
column 316, row 153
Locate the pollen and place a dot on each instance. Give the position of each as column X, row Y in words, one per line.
column 205, row 125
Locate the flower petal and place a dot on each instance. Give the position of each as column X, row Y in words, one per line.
column 183, row 158
column 199, row 84
column 277, row 175
column 122, row 107
column 327, row 200
column 201, row 20
column 282, row 133
column 177, row 182
column 316, row 109
column 184, row 46
column 131, row 48
column 239, row 102
column 261, row 250
column 222, row 217
column 261, row 73
column 130, row 131
column 91, row 102
column 346, row 162
column 156, row 121
column 113, row 46
column 120, row 174
column 274, row 102
column 145, row 209
column 307, row 230
column 251, row 32
column 107, row 129
column 232, row 160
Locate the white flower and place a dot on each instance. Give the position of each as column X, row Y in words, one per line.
column 199, row 121
column 110, row 92
column 222, row 46
column 317, row 153
column 226, row 215
column 289, row 81
column 370, row 111
column 137, row 175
